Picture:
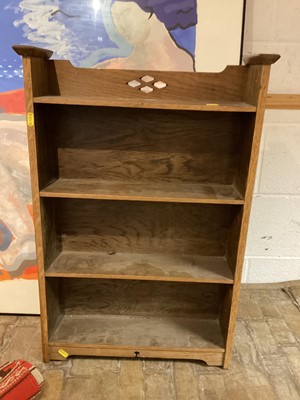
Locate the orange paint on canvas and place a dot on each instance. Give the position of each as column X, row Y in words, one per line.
column 4, row 274
column 30, row 272
column 30, row 210
column 13, row 102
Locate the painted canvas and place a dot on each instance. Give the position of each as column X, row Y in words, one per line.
column 182, row 35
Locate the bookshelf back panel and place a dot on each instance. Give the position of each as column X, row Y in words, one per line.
column 142, row 227
column 118, row 297
column 128, row 145
column 66, row 80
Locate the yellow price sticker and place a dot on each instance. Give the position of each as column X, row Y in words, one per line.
column 30, row 119
column 63, row 353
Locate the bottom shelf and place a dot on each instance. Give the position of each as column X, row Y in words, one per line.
column 138, row 337
column 139, row 331
column 126, row 318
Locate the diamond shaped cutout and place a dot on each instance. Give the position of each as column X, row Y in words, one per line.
column 147, row 78
column 134, row 84
column 146, row 89
column 160, row 85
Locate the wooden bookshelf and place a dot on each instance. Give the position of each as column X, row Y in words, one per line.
column 141, row 205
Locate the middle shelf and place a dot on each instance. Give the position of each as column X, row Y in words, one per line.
column 155, row 267
column 148, row 191
column 140, row 240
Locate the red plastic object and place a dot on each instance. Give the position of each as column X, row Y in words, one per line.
column 19, row 380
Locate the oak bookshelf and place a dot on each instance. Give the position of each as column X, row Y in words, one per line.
column 142, row 184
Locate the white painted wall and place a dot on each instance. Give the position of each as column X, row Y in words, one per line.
column 273, row 247
column 219, row 32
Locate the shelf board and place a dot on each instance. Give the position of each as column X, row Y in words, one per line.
column 159, row 192
column 159, row 103
column 165, row 332
column 158, row 267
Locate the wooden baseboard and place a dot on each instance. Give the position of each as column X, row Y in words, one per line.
column 283, row 101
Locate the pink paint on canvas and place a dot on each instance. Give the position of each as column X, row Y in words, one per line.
column 17, row 243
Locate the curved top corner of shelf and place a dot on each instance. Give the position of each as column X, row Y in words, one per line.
column 261, row 59
column 31, row 51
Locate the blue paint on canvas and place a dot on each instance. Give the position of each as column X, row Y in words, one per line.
column 78, row 31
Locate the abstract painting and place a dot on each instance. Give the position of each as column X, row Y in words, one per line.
column 138, row 34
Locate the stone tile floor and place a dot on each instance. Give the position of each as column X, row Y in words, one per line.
column 265, row 363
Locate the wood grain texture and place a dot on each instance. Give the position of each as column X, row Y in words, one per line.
column 252, row 88
column 162, row 104
column 139, row 298
column 283, row 101
column 233, row 241
column 160, row 192
column 225, row 86
column 47, row 162
column 210, row 356
column 54, row 313
column 143, row 227
column 144, row 145
column 29, row 69
column 138, row 331
column 241, row 243
column 261, row 59
column 154, row 319
column 141, row 266
column 245, row 154
column 31, row 51
column 51, row 242
column 225, row 312
column 40, row 77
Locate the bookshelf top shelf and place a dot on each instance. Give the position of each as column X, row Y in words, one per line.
column 59, row 82
column 167, row 104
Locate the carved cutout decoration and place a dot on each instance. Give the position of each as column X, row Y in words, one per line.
column 150, row 87
column 146, row 89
